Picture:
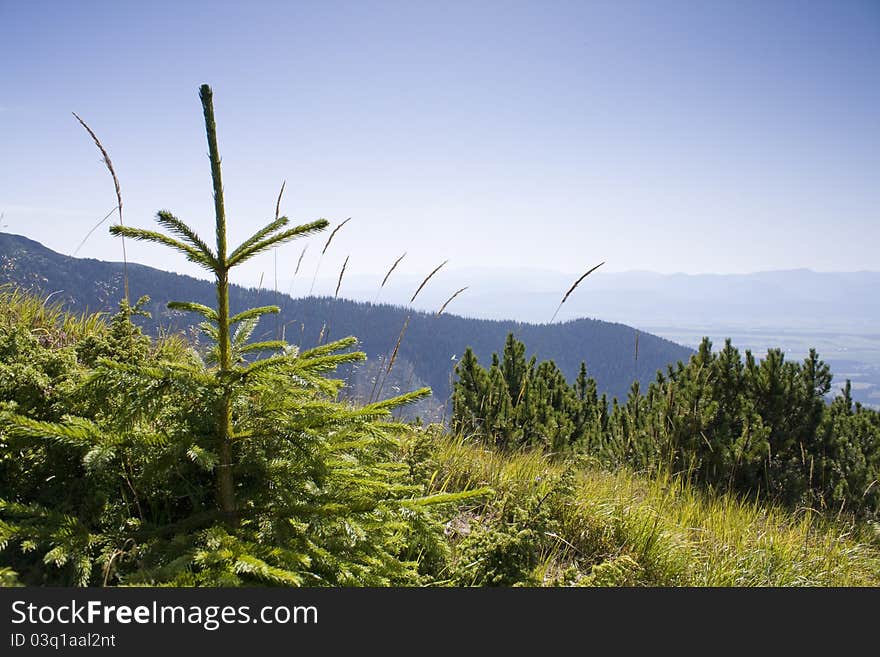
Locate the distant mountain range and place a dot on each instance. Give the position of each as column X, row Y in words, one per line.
column 797, row 299
column 838, row 313
column 428, row 351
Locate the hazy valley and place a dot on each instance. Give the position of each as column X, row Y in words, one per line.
column 836, row 313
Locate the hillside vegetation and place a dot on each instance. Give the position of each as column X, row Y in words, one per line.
column 759, row 428
column 553, row 523
column 226, row 458
column 74, row 514
column 424, row 358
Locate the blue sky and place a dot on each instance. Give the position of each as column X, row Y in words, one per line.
column 673, row 136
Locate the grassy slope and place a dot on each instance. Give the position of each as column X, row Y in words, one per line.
column 589, row 526
column 622, row 528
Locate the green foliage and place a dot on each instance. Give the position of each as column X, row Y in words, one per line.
column 129, row 461
column 518, row 402
column 759, row 428
column 497, row 557
column 846, row 461
column 33, row 378
column 145, row 511
column 521, row 528
column 619, row 571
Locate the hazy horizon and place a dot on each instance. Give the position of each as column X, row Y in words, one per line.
column 325, row 275
column 645, row 294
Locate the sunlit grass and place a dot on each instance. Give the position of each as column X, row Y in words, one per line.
column 674, row 533
column 43, row 315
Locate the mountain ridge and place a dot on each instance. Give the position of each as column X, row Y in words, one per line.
column 428, row 351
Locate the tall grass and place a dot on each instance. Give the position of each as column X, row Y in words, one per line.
column 325, row 329
column 275, row 260
column 109, row 164
column 324, row 250
column 296, row 270
column 392, row 357
column 573, row 288
column 387, row 276
column 45, row 316
column 57, row 328
column 449, row 300
column 676, row 533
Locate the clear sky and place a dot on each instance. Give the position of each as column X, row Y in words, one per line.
column 669, row 136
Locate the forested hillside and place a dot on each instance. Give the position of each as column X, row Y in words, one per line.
column 431, row 346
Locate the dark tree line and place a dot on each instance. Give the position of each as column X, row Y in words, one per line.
column 757, row 427
column 521, row 402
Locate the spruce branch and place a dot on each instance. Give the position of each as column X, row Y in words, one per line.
column 253, row 312
column 192, row 254
column 304, row 230
column 277, row 224
column 189, row 306
column 268, row 345
column 170, row 222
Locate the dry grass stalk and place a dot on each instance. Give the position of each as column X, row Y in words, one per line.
column 427, row 278
column 275, row 260
column 324, row 250
column 333, row 306
column 376, row 379
column 341, row 273
column 385, row 280
column 443, row 307
column 93, row 229
column 397, row 346
column 405, row 324
column 299, row 262
column 296, row 271
column 393, row 267
column 278, row 202
column 391, row 359
column 574, row 287
column 112, row 171
column 333, row 234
